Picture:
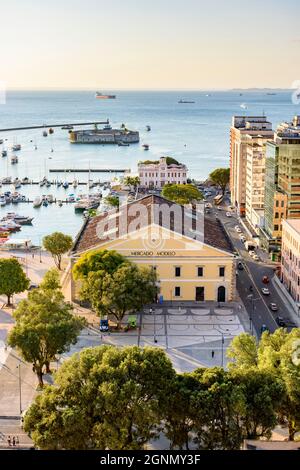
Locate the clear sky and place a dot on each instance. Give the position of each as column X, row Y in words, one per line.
column 149, row 44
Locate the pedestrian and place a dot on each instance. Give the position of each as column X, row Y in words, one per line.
column 13, row 441
column 213, row 354
column 8, row 441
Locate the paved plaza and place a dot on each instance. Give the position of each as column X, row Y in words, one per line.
column 192, row 336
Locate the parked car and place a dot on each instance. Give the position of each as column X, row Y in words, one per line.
column 103, row 325
column 280, row 321
column 265, row 279
column 228, row 214
column 33, row 286
column 273, row 307
column 265, row 291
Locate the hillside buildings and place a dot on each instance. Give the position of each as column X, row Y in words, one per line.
column 166, row 170
column 243, row 148
column 282, row 182
column 191, row 253
column 290, row 258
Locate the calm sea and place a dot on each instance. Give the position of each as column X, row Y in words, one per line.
column 195, row 134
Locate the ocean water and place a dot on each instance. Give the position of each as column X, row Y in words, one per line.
column 195, row 134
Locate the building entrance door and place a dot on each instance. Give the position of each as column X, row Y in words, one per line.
column 199, row 294
column 221, row 294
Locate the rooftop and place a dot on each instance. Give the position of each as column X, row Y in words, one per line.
column 142, row 213
column 294, row 223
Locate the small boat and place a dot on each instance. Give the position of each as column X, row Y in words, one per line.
column 49, row 198
column 17, row 185
column 68, row 126
column 75, row 184
column 6, row 180
column 16, row 147
column 4, row 153
column 146, row 147
column 45, row 203
column 45, row 133
column 58, row 184
column 48, row 184
column 60, row 203
column 243, row 106
column 65, row 185
column 100, row 96
column 71, row 198
column 185, row 102
column 148, row 128
column 10, row 226
column 25, row 180
column 14, row 159
column 123, row 144
column 37, row 202
column 2, row 201
column 1, row 141
column 51, row 131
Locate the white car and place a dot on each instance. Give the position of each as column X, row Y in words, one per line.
column 228, row 214
column 265, row 291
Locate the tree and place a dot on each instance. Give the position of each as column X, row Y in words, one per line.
column 103, row 398
column 132, row 181
column 217, row 403
column 114, row 285
column 243, row 352
column 57, row 244
column 182, row 193
column 276, row 354
column 12, row 278
column 97, row 261
column 112, row 201
column 262, row 394
column 45, row 326
column 221, row 177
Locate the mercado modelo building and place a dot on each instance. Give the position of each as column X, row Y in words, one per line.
column 191, row 253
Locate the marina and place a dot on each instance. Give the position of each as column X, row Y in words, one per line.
column 187, row 133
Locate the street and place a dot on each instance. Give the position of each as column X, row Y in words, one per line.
column 256, row 303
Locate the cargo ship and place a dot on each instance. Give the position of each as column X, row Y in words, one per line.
column 101, row 96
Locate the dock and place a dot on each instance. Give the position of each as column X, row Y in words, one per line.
column 89, row 170
column 43, row 126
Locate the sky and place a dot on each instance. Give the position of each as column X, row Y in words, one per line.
column 149, row 44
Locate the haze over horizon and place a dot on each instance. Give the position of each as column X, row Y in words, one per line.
column 142, row 45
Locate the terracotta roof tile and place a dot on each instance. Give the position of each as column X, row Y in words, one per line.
column 143, row 212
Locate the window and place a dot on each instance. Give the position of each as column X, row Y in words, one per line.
column 177, row 291
column 200, row 271
column 177, row 271
column 222, row 271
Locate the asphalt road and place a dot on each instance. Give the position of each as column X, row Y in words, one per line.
column 256, row 303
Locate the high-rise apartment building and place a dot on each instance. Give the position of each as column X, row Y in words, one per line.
column 242, row 130
column 282, row 180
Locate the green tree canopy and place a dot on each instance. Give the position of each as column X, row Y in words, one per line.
column 12, row 278
column 57, row 244
column 132, row 181
column 103, row 398
column 221, row 177
column 97, row 260
column 275, row 354
column 243, row 352
column 112, row 201
column 182, row 193
column 45, row 326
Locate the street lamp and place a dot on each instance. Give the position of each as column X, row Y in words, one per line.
column 250, row 297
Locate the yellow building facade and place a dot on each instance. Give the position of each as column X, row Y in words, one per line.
column 188, row 268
